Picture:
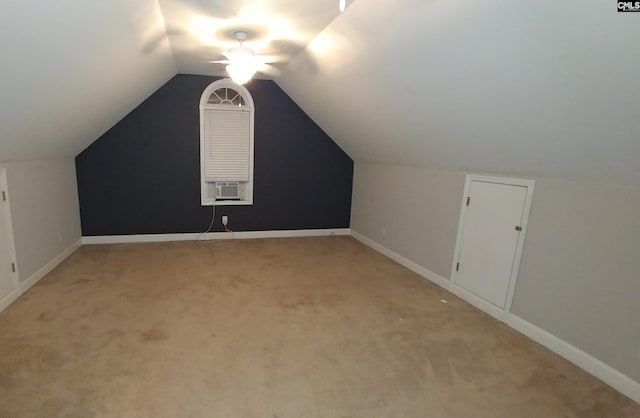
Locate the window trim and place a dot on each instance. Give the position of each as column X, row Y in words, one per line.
column 205, row 187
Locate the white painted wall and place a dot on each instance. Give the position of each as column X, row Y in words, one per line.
column 580, row 270
column 417, row 207
column 44, row 211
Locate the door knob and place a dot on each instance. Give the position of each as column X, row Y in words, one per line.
column 518, row 228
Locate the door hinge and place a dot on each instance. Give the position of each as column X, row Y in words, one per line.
column 4, row 196
column 13, row 267
column 457, row 266
column 468, row 200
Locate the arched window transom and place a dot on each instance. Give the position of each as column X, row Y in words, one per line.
column 226, row 144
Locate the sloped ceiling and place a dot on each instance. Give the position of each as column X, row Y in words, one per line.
column 202, row 30
column 542, row 88
column 71, row 69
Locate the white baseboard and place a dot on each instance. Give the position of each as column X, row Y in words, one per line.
column 619, row 381
column 9, row 299
column 293, row 233
column 44, row 270
column 416, row 268
column 478, row 302
column 27, row 284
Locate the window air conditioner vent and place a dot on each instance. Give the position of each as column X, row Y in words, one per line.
column 227, row 190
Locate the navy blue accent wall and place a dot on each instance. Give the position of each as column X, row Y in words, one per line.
column 143, row 175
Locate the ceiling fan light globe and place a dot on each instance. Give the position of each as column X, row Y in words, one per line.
column 240, row 73
column 240, row 54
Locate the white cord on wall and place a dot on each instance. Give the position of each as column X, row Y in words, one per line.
column 213, row 219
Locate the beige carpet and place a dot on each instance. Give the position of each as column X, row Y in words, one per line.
column 282, row 328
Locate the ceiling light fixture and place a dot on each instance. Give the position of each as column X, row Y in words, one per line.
column 242, row 64
column 342, row 4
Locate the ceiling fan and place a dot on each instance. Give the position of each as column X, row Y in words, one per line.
column 242, row 62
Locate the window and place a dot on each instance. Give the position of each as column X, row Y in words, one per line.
column 226, row 144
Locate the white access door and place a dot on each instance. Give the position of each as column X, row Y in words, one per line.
column 491, row 227
column 8, row 282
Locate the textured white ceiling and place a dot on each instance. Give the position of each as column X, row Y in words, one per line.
column 199, row 30
column 71, row 69
column 543, row 88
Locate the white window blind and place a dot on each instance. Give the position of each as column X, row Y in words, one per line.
column 226, row 145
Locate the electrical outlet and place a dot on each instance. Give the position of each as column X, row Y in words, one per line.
column 384, row 232
column 225, row 220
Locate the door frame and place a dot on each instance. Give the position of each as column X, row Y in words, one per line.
column 477, row 301
column 13, row 295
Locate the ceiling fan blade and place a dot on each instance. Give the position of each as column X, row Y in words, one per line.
column 269, row 58
column 258, row 60
column 270, row 70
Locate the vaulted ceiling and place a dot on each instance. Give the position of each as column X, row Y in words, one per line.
column 200, row 31
column 542, row 88
column 71, row 69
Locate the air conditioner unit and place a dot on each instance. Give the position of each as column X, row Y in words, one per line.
column 227, row 190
